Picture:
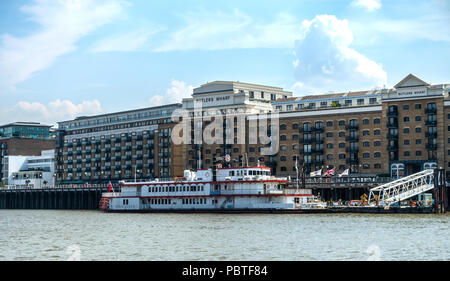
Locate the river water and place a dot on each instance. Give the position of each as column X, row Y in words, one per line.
column 94, row 235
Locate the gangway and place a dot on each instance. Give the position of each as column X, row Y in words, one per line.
column 403, row 188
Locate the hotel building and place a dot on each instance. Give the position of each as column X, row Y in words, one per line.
column 384, row 132
column 122, row 145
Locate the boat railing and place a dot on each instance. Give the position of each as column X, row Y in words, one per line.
column 299, row 191
column 111, row 194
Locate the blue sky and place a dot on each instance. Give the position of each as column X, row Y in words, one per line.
column 65, row 58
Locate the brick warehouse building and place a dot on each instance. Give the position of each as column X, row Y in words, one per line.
column 390, row 132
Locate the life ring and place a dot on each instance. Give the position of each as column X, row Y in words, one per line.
column 207, row 174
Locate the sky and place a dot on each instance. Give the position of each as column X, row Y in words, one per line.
column 60, row 59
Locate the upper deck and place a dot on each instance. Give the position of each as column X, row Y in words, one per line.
column 236, row 174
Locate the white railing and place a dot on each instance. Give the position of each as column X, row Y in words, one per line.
column 403, row 188
column 111, row 194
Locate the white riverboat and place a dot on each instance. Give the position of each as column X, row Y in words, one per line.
column 243, row 189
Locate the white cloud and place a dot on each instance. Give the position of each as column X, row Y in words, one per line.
column 125, row 42
column 434, row 28
column 327, row 63
column 60, row 25
column 55, row 111
column 175, row 94
column 369, row 5
column 216, row 31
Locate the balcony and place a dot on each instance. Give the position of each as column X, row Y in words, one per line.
column 306, row 141
column 352, row 127
column 305, row 130
column 430, row 110
column 318, row 162
column 306, row 152
column 430, row 123
column 319, row 141
column 318, row 130
column 431, row 135
column 391, row 136
column 393, row 113
column 392, row 124
column 352, row 161
column 392, row 148
column 430, row 146
column 352, row 139
column 318, row 151
column 352, row 149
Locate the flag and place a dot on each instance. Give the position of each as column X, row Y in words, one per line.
column 328, row 173
column 316, row 173
column 345, row 173
column 109, row 187
column 296, row 164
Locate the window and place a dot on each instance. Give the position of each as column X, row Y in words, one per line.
column 418, row 130
column 406, row 153
column 330, row 156
column 283, row 158
column 377, row 121
column 341, row 134
column 330, row 123
column 406, row 107
column 329, row 145
column 295, row 126
column 366, row 144
column 295, row 137
column 295, row 147
column 366, row 133
column 406, row 142
column 341, row 156
column 283, row 137
column 342, row 145
column 406, row 130
column 377, row 166
column 366, row 121
column 377, row 132
column 418, row 106
column 360, row 101
column 377, row 155
column 373, row 100
column 329, row 135
column 366, row 155
column 289, row 107
column 283, row 127
column 418, row 118
column 418, row 141
column 342, row 123
column 377, row 143
column 418, row 153
column 406, row 119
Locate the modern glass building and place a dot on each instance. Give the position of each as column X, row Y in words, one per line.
column 31, row 130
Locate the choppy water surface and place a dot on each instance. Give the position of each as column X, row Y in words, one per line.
column 94, row 235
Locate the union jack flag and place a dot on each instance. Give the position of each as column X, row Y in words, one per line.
column 329, row 173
